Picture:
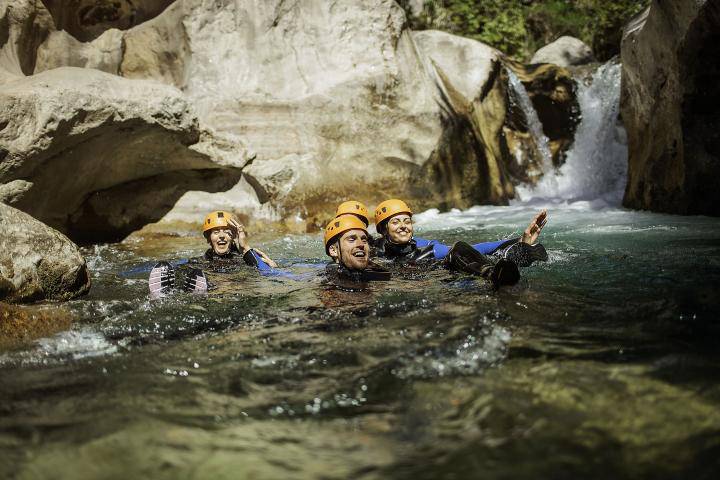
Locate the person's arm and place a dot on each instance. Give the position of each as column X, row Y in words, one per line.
column 265, row 258
column 244, row 246
column 240, row 235
column 532, row 232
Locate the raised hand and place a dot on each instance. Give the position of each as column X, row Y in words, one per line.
column 241, row 235
column 532, row 232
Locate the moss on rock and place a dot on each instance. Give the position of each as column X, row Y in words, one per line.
column 21, row 325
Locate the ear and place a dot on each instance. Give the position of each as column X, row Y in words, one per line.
column 333, row 250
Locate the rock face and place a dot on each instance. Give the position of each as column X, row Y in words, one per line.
column 88, row 19
column 565, row 52
column 670, row 89
column 333, row 99
column 75, row 141
column 37, row 262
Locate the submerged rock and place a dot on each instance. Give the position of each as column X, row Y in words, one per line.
column 565, row 52
column 670, row 93
column 37, row 262
column 20, row 325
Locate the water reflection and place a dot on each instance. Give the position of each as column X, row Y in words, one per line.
column 601, row 362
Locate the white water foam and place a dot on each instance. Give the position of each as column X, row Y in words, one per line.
column 73, row 344
column 596, row 166
column 534, row 125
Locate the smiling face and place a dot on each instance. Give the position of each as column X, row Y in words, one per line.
column 400, row 228
column 352, row 249
column 220, row 239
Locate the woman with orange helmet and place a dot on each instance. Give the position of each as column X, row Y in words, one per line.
column 228, row 246
column 393, row 219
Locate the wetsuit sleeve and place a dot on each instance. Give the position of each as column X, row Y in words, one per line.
column 488, row 248
column 252, row 258
column 440, row 250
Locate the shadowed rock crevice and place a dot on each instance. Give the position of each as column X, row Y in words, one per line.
column 88, row 19
column 671, row 83
column 113, row 213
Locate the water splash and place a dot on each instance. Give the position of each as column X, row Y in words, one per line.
column 534, row 125
column 596, row 165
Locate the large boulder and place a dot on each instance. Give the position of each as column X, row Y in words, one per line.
column 670, row 90
column 76, row 142
column 565, row 51
column 37, row 262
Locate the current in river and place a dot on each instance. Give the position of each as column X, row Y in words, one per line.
column 601, row 363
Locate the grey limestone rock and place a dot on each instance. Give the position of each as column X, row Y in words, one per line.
column 37, row 262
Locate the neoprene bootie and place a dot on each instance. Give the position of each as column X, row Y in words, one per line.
column 523, row 254
column 464, row 258
column 195, row 281
column 162, row 279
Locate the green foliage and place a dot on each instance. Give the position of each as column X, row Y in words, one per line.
column 520, row 27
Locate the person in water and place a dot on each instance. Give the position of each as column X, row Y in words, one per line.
column 347, row 242
column 393, row 219
column 229, row 243
column 229, row 246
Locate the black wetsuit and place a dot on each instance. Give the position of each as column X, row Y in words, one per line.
column 340, row 276
column 230, row 260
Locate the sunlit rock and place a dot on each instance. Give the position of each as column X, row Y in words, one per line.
column 565, row 52
column 23, row 27
column 98, row 153
column 37, row 262
column 333, row 99
column 670, row 93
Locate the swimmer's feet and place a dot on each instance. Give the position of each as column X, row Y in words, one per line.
column 162, row 280
column 504, row 272
column 523, row 254
column 195, row 281
column 462, row 257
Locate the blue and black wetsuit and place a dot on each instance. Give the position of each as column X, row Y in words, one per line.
column 419, row 249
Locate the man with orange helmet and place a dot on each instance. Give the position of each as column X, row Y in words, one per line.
column 346, row 241
column 228, row 246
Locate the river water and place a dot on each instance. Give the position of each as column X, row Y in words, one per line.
column 601, row 363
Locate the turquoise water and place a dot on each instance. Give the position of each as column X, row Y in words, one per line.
column 602, row 363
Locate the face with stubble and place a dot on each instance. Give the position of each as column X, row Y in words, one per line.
column 220, row 239
column 400, row 228
column 352, row 249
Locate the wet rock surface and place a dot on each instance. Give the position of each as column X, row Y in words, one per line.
column 37, row 262
column 669, row 92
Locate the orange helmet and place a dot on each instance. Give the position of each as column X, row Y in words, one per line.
column 340, row 225
column 391, row 207
column 216, row 219
column 354, row 207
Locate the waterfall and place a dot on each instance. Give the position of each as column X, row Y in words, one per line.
column 534, row 126
column 596, row 164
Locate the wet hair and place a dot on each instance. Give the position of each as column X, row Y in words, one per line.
column 382, row 226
